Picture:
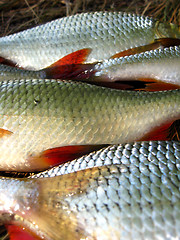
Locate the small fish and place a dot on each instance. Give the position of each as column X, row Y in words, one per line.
column 67, row 67
column 37, row 117
column 106, row 33
column 129, row 191
column 161, row 66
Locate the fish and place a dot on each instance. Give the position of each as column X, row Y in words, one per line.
column 67, row 67
column 39, row 116
column 125, row 191
column 161, row 65
column 106, row 33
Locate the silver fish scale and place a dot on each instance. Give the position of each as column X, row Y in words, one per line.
column 158, row 156
column 126, row 205
column 104, row 32
column 14, row 73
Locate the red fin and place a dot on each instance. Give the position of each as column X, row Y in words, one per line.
column 136, row 50
column 7, row 62
column 56, row 156
column 77, row 57
column 160, row 42
column 4, row 132
column 69, row 66
column 159, row 133
column 18, row 233
column 152, row 85
column 168, row 42
column 79, row 72
column 67, row 153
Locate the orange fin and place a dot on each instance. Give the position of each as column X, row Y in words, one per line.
column 77, row 57
column 20, row 233
column 69, row 66
column 152, row 85
column 78, row 72
column 161, row 42
column 56, row 156
column 168, row 42
column 136, row 50
column 4, row 132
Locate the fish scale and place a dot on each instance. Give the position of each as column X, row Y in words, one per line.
column 128, row 196
column 44, row 114
column 106, row 33
column 151, row 153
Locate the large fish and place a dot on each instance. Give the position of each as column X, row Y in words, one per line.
column 106, row 33
column 37, row 115
column 160, row 65
column 122, row 192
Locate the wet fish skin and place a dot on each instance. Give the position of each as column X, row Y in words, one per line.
column 37, row 115
column 129, row 191
column 106, row 33
column 160, row 64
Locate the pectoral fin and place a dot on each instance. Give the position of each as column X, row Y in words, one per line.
column 160, row 42
column 56, row 156
column 68, row 66
column 152, row 85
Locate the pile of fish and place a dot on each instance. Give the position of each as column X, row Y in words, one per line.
column 100, row 161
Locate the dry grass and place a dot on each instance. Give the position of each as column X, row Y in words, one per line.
column 16, row 15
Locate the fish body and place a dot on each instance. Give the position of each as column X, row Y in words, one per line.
column 129, row 191
column 106, row 33
column 161, row 64
column 36, row 115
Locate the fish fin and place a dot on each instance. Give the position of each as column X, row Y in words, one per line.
column 7, row 62
column 56, row 156
column 4, row 132
column 70, row 66
column 168, row 42
column 78, row 72
column 160, row 133
column 20, row 233
column 160, row 42
column 77, row 57
column 152, row 85
column 136, row 50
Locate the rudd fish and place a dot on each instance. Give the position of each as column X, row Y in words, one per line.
column 40, row 115
column 106, row 33
column 161, row 65
column 129, row 191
